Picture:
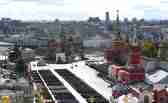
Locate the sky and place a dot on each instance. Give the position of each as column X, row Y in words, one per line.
column 82, row 9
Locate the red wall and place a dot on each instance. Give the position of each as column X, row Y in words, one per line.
column 133, row 74
column 161, row 95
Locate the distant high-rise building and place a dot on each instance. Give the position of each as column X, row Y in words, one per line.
column 94, row 20
column 107, row 17
column 126, row 20
column 118, row 29
column 134, row 20
column 125, row 26
column 108, row 24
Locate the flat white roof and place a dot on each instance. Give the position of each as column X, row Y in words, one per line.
column 158, row 76
column 90, row 77
column 82, row 71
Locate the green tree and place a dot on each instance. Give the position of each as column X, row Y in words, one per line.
column 149, row 49
column 20, row 68
column 163, row 48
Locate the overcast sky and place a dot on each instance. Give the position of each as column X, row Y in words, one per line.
column 82, row 9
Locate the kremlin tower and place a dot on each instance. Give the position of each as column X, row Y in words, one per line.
column 117, row 54
column 133, row 71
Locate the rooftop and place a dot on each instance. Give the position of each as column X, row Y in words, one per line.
column 79, row 69
column 157, row 76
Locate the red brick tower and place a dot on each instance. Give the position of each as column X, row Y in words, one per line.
column 133, row 71
column 119, row 48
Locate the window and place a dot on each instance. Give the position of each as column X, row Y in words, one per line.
column 146, row 99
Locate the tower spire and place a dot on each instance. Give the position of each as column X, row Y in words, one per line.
column 118, row 18
column 118, row 25
column 135, row 42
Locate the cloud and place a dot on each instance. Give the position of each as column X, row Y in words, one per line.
column 4, row 2
column 82, row 9
column 44, row 2
column 34, row 11
column 163, row 1
column 152, row 8
column 27, row 0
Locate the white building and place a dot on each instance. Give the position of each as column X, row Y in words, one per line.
column 28, row 40
column 98, row 41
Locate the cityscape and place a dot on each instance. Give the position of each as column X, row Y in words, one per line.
column 83, row 55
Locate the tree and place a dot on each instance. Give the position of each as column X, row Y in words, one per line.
column 149, row 49
column 59, row 60
column 15, row 54
column 163, row 48
column 20, row 68
column 51, row 54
